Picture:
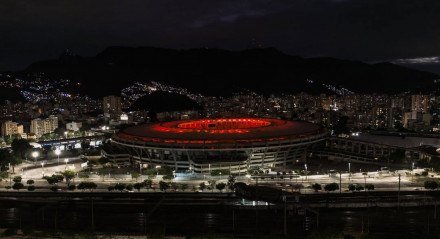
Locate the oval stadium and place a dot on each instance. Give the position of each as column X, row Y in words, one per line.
column 203, row 145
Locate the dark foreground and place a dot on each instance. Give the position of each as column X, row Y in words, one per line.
column 210, row 216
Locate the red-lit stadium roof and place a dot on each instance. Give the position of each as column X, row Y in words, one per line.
column 220, row 131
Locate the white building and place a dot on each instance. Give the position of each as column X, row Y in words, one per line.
column 74, row 126
column 44, row 126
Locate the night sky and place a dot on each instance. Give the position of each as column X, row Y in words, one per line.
column 405, row 31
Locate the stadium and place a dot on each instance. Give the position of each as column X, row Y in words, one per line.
column 233, row 144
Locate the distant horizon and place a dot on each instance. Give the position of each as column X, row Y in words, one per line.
column 367, row 31
column 412, row 63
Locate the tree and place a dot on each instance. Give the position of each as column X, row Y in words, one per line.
column 31, row 188
column 58, row 177
column 20, row 147
column 54, row 179
column 85, row 127
column 50, row 180
column 174, row 186
column 231, row 182
column 297, row 186
column 165, row 170
column 212, row 184
column 163, row 185
column 87, row 185
column 369, row 187
column 135, row 175
column 147, row 183
column 30, row 182
column 431, row 185
column 54, row 188
column 359, row 187
column 6, row 158
column 3, row 174
column 352, row 187
column 17, row 186
column 17, row 179
column 168, row 177
column 183, row 186
column 138, row 186
column 110, row 188
column 120, row 186
column 71, row 187
column 129, row 187
column 220, row 186
column 59, row 131
column 103, row 160
column 316, row 187
column 331, row 187
column 68, row 175
column 202, row 186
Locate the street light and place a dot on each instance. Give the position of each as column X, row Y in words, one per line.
column 412, row 173
column 305, row 166
column 349, row 171
column 157, row 169
column 42, row 168
column 35, row 155
column 58, row 152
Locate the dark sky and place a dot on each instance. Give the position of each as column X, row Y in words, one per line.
column 366, row 30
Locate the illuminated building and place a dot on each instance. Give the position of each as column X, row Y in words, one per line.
column 74, row 126
column 420, row 103
column 11, row 128
column 234, row 144
column 112, row 106
column 44, row 126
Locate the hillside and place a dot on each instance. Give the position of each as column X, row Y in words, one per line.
column 221, row 72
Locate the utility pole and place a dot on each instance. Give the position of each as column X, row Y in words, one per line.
column 398, row 195
column 340, row 182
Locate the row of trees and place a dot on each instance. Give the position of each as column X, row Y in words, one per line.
column 18, row 185
column 164, row 186
column 211, row 185
column 334, row 186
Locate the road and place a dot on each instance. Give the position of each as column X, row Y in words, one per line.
column 381, row 181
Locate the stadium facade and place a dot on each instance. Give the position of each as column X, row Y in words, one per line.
column 234, row 144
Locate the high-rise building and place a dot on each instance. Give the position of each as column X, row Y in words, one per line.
column 420, row 103
column 112, row 106
column 11, row 128
column 398, row 102
column 44, row 126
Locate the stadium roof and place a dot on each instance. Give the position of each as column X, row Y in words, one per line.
column 231, row 130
